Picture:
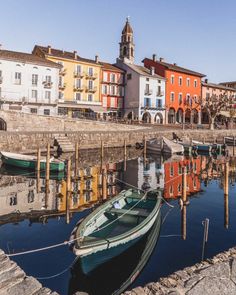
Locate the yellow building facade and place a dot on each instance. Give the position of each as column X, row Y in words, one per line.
column 79, row 82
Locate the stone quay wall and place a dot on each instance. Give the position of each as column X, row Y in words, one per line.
column 14, row 281
column 214, row 276
column 25, row 141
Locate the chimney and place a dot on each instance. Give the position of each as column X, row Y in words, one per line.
column 75, row 54
column 154, row 57
column 96, row 58
column 0, row 46
column 206, row 80
column 152, row 71
column 175, row 64
column 161, row 59
column 49, row 49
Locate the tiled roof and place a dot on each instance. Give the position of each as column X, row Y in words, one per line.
column 176, row 68
column 144, row 71
column 219, row 86
column 26, row 58
column 110, row 67
column 63, row 54
column 230, row 82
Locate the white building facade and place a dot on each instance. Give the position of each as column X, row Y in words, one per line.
column 144, row 90
column 28, row 83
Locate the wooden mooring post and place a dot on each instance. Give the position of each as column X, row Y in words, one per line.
column 125, row 155
column 226, row 195
column 184, row 222
column 47, row 175
column 76, row 159
column 38, row 169
column 68, row 191
column 144, row 148
column 184, row 185
column 104, row 184
column 102, row 149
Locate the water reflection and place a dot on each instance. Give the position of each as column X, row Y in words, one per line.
column 28, row 197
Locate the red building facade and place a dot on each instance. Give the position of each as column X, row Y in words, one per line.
column 112, row 92
column 183, row 91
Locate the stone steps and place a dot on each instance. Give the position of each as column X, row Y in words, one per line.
column 63, row 144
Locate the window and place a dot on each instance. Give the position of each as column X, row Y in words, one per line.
column 147, row 102
column 180, row 81
column 180, row 98
column 0, row 73
column 113, row 78
column 78, row 69
column 113, row 102
column 46, row 112
column 188, row 100
column 34, row 94
column 61, row 95
column 90, row 71
column 78, row 83
column 47, row 94
column 18, row 78
column 104, row 89
column 147, row 91
column 129, row 76
column 159, row 81
column 172, row 96
column 33, row 111
column 159, row 90
column 105, row 76
column 195, row 83
column 34, row 79
column 147, row 79
column 90, row 97
column 113, row 90
column 90, row 84
column 104, row 101
column 172, row 79
column 158, row 103
column 13, row 200
column 188, row 82
column 78, row 96
column 48, row 79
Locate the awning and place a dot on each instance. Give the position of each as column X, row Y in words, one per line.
column 227, row 114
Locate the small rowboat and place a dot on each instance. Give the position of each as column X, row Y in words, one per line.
column 115, row 226
column 164, row 145
column 30, row 162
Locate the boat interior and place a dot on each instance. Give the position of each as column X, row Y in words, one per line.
column 122, row 215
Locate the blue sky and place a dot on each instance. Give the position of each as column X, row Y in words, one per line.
column 198, row 34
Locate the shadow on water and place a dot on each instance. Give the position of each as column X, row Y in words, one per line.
column 116, row 275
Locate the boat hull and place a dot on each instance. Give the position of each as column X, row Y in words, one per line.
column 31, row 165
column 106, row 252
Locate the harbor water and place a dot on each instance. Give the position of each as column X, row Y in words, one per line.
column 34, row 216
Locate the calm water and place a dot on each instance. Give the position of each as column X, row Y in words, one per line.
column 31, row 219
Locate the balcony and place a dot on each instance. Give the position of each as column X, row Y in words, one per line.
column 91, row 89
column 79, row 74
column 78, row 88
column 92, row 76
column 1, row 79
column 160, row 93
column 62, row 86
column 148, row 92
column 47, row 84
column 62, row 72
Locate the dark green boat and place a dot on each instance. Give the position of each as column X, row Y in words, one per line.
column 30, row 162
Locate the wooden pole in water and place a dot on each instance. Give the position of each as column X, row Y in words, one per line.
column 76, row 159
column 104, row 184
column 102, row 149
column 38, row 169
column 68, row 191
column 226, row 178
column 145, row 148
column 184, row 185
column 183, row 222
column 125, row 155
column 47, row 174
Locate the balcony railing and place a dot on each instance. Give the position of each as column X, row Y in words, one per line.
column 91, row 76
column 1, row 79
column 79, row 74
column 91, row 89
column 160, row 93
column 62, row 72
column 62, row 86
column 148, row 92
column 47, row 85
column 78, row 88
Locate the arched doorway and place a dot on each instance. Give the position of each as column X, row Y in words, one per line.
column 171, row 116
column 158, row 118
column 179, row 116
column 195, row 116
column 130, row 116
column 205, row 116
column 3, row 125
column 188, row 116
column 146, row 117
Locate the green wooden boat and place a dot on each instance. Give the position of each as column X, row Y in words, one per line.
column 115, row 226
column 30, row 162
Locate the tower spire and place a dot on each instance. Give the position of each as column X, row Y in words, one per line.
column 127, row 44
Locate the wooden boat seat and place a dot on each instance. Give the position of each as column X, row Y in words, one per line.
column 129, row 212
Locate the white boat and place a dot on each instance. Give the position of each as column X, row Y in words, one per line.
column 164, row 145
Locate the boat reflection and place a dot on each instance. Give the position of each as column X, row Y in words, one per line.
column 121, row 271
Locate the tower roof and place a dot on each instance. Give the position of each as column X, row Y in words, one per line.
column 127, row 27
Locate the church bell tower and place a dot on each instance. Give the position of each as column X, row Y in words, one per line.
column 127, row 44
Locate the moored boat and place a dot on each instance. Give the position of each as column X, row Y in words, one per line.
column 115, row 226
column 30, row 162
column 164, row 145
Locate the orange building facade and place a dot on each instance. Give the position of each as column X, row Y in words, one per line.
column 183, row 91
column 173, row 177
